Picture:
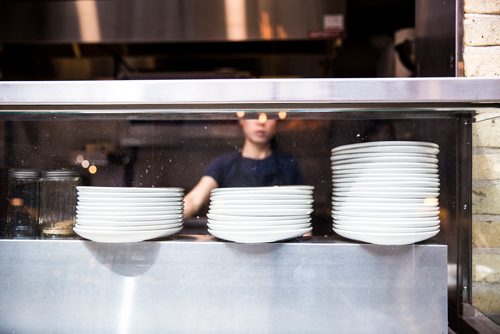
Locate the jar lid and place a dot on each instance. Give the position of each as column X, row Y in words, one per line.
column 24, row 173
column 59, row 173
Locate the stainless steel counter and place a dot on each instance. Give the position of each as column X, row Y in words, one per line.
column 196, row 284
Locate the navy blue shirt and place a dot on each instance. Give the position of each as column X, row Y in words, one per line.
column 233, row 170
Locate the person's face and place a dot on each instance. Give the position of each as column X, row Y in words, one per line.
column 258, row 132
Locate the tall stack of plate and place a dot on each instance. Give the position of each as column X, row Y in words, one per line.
column 126, row 214
column 260, row 214
column 386, row 192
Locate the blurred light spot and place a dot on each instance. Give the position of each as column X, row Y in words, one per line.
column 92, row 169
column 79, row 159
column 262, row 117
column 16, row 201
column 240, row 114
column 282, row 114
column 85, row 163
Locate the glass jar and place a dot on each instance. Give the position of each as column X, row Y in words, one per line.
column 23, row 206
column 58, row 203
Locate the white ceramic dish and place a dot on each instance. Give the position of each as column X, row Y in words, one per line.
column 378, row 229
column 386, row 200
column 339, row 156
column 386, row 143
column 379, row 177
column 381, row 214
column 127, row 208
column 128, row 214
column 125, row 236
column 261, row 212
column 384, row 159
column 266, row 202
column 220, row 222
column 129, row 195
column 256, row 228
column 381, row 188
column 117, row 223
column 91, row 189
column 370, row 165
column 270, row 189
column 259, row 237
column 136, row 200
column 236, row 218
column 388, row 170
column 246, row 208
column 391, row 149
column 387, row 238
column 375, row 220
column 401, row 223
column 401, row 194
column 173, row 215
column 108, row 228
column 383, row 208
column 261, row 197
column 401, row 183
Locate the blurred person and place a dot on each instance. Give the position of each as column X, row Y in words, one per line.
column 257, row 164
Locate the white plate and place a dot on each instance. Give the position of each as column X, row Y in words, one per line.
column 387, row 238
column 117, row 223
column 258, row 237
column 343, row 219
column 378, row 171
column 129, row 195
column 339, row 156
column 232, row 201
column 407, row 223
column 386, row 143
column 381, row 159
column 378, row 229
column 378, row 176
column 173, row 215
column 99, row 207
column 91, row 189
column 381, row 188
column 379, row 214
column 393, row 149
column 388, row 182
column 417, row 195
column 220, row 222
column 128, row 214
column 264, row 189
column 261, row 212
column 378, row 165
column 246, row 208
column 112, row 228
column 256, row 228
column 236, row 218
column 386, row 200
column 125, row 236
column 137, row 201
column 260, row 197
column 383, row 208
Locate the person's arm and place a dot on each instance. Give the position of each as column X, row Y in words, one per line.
column 198, row 196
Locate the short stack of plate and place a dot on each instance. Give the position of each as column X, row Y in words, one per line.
column 386, row 192
column 260, row 214
column 128, row 214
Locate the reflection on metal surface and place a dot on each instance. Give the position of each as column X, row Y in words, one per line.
column 236, row 24
column 217, row 287
column 162, row 20
column 88, row 21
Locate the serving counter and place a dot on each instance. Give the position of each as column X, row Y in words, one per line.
column 193, row 282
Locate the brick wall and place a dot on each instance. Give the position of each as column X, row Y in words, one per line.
column 482, row 58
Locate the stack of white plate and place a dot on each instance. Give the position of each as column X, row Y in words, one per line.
column 125, row 214
column 260, row 214
column 386, row 192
